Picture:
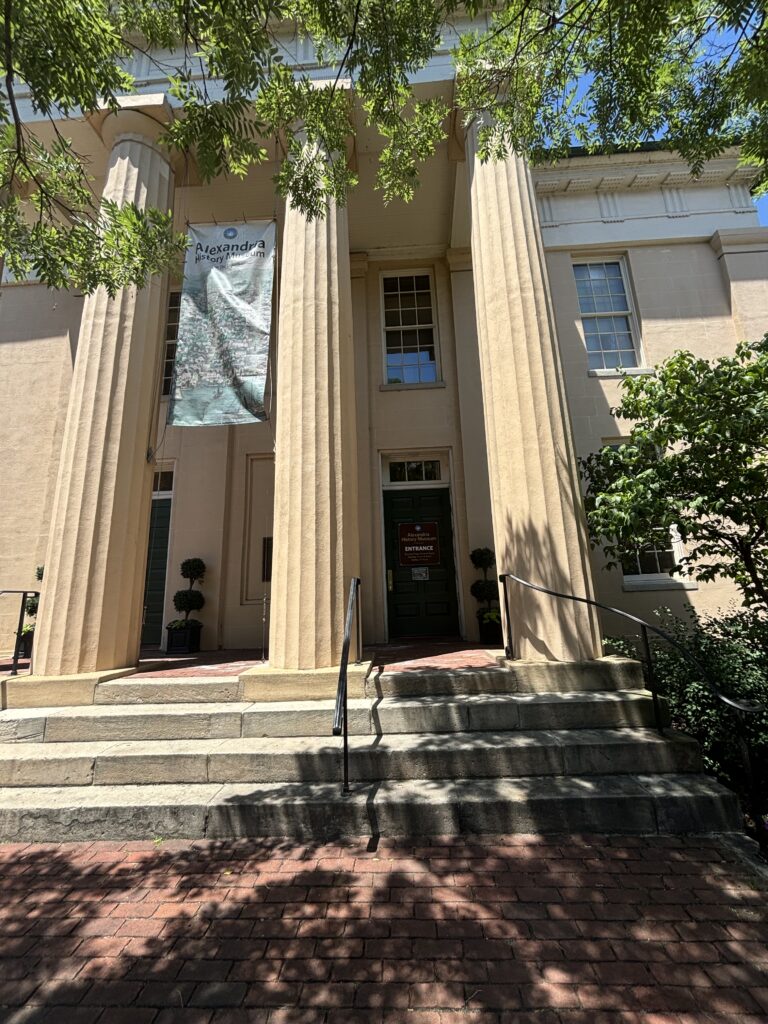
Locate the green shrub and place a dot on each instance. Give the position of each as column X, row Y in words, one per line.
column 733, row 649
column 186, row 601
column 192, row 569
column 485, row 590
column 189, row 600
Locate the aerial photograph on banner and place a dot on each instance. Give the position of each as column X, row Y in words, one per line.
column 224, row 325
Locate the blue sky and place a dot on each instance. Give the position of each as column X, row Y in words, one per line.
column 762, row 210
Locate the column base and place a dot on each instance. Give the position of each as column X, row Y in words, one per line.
column 265, row 683
column 39, row 691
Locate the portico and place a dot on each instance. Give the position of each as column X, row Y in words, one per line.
column 428, row 356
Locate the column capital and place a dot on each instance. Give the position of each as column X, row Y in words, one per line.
column 143, row 119
column 459, row 259
column 145, row 116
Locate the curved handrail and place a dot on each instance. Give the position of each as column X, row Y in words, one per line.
column 739, row 706
column 340, row 717
column 749, row 707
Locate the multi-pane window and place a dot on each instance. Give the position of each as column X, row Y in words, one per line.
column 409, row 330
column 163, row 481
column 606, row 315
column 644, row 561
column 414, row 471
column 171, row 334
column 650, row 560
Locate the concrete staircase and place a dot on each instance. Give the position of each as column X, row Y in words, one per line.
column 431, row 752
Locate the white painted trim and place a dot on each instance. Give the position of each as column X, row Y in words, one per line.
column 656, row 581
column 165, row 465
column 634, row 320
column 434, row 326
column 445, row 455
column 413, row 387
column 629, row 371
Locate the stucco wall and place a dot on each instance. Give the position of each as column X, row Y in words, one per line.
column 690, row 290
column 683, row 299
column 38, row 334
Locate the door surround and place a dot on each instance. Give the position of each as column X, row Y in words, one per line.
column 161, row 491
column 444, row 456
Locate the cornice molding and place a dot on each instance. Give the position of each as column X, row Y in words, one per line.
column 637, row 172
column 737, row 240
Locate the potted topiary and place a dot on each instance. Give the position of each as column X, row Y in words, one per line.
column 28, row 629
column 184, row 634
column 486, row 592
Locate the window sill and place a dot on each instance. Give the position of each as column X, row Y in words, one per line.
column 413, row 387
column 630, row 371
column 653, row 582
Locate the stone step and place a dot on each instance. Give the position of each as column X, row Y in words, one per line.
column 404, row 756
column 637, row 804
column 450, row 713
column 169, row 690
column 610, row 673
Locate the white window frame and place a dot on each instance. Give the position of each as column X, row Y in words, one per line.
column 653, row 580
column 631, row 314
column 169, row 341
column 440, row 456
column 164, row 467
column 410, row 272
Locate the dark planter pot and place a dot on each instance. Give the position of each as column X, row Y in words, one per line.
column 490, row 633
column 25, row 645
column 185, row 640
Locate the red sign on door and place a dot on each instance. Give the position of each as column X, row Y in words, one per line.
column 418, row 544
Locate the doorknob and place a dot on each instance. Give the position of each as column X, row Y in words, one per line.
column 390, row 584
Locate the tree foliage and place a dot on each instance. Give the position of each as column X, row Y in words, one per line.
column 732, row 648
column 695, row 461
column 543, row 75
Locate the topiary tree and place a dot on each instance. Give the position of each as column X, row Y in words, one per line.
column 33, row 601
column 486, row 591
column 190, row 600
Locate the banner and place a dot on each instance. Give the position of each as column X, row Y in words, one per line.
column 224, row 323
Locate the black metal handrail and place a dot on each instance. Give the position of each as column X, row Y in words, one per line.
column 739, row 707
column 25, row 595
column 340, row 717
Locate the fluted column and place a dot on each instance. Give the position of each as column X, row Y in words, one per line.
column 538, row 520
column 91, row 607
column 316, row 541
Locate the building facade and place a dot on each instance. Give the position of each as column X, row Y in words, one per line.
column 440, row 365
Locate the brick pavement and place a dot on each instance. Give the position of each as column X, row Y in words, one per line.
column 431, row 654
column 516, row 930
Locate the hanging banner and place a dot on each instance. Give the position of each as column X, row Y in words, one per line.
column 224, row 324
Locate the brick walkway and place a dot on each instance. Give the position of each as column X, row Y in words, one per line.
column 519, row 930
column 431, row 655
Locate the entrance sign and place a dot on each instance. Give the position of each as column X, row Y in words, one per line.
column 224, row 325
column 418, row 544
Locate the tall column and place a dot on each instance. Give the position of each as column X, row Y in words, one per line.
column 316, row 542
column 538, row 520
column 90, row 613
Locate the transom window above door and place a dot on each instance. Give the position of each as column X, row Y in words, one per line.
column 414, row 471
column 410, row 331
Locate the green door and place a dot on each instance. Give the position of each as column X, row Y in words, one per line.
column 421, row 575
column 157, row 560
